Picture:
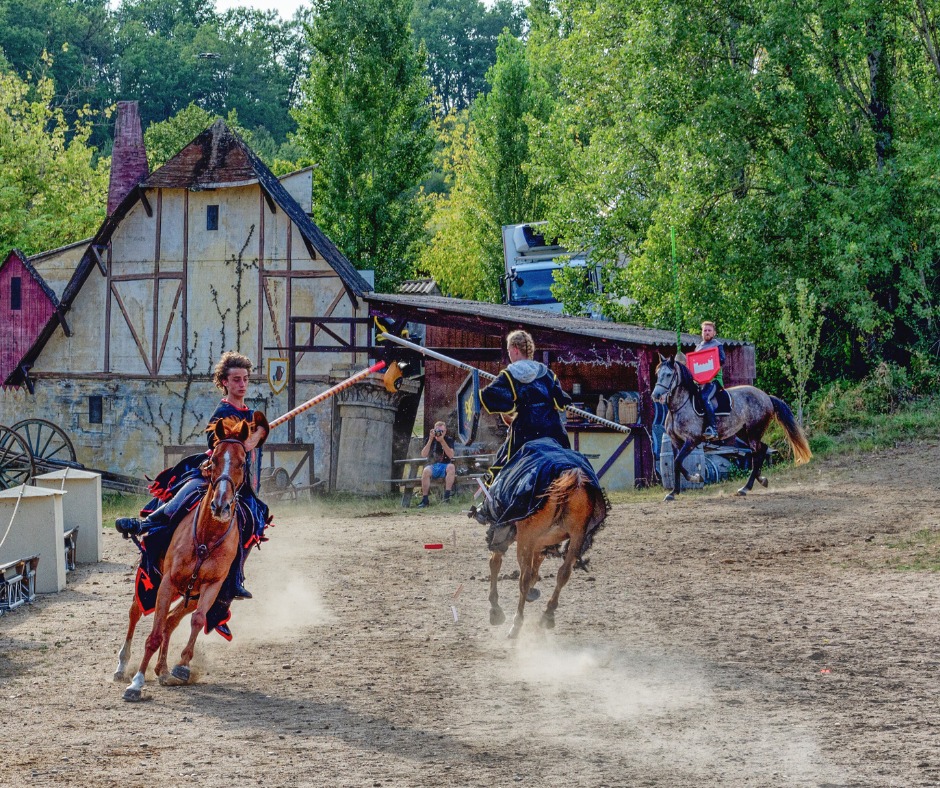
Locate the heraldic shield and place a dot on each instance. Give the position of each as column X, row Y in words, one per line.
column 704, row 365
column 468, row 408
column 277, row 374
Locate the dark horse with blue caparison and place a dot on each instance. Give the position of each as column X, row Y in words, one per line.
column 752, row 410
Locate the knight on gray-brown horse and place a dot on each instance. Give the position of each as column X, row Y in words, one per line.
column 746, row 415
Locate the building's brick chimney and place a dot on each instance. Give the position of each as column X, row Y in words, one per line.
column 128, row 157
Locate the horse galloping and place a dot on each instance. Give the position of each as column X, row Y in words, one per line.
column 752, row 410
column 197, row 561
column 573, row 509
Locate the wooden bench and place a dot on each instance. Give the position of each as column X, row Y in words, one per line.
column 469, row 469
column 18, row 582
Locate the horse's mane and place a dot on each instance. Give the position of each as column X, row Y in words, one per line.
column 685, row 377
column 231, row 424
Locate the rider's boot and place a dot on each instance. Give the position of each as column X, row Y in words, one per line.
column 162, row 515
column 135, row 526
column 240, row 591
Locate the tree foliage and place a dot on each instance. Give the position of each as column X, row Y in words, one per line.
column 53, row 188
column 365, row 122
column 492, row 186
column 782, row 140
column 800, row 324
column 460, row 38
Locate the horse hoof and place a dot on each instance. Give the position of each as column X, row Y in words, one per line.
column 118, row 675
column 513, row 632
column 669, row 497
column 548, row 621
column 133, row 695
column 532, row 594
column 763, row 481
column 742, row 492
column 497, row 616
column 181, row 673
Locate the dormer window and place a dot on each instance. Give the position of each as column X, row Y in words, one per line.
column 212, row 217
column 16, row 293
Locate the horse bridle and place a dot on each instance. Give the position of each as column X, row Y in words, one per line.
column 671, row 388
column 203, row 551
column 225, row 477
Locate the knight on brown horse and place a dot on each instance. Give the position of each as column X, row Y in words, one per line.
column 197, row 561
column 751, row 412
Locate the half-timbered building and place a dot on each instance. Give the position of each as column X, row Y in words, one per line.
column 210, row 252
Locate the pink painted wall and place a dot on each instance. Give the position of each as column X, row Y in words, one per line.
column 20, row 327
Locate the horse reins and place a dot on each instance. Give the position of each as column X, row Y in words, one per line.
column 204, row 551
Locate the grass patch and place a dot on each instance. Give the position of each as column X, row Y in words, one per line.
column 918, row 551
column 114, row 505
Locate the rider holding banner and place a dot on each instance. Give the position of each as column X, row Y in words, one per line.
column 528, row 392
column 708, row 389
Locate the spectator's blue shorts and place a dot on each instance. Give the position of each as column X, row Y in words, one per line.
column 439, row 470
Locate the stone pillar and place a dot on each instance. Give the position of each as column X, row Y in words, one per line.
column 367, row 420
column 83, row 509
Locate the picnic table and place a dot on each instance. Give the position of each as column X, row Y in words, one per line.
column 470, row 467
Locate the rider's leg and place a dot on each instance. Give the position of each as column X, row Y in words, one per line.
column 708, row 391
column 163, row 515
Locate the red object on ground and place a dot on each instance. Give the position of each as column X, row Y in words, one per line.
column 434, row 547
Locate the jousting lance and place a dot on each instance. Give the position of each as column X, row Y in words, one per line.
column 448, row 360
column 327, row 394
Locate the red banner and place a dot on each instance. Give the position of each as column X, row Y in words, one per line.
column 704, row 365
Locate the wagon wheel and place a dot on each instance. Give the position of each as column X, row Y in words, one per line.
column 47, row 442
column 16, row 460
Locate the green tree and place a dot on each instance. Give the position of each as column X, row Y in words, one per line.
column 492, row 186
column 53, row 189
column 800, row 326
column 80, row 38
column 460, row 39
column 365, row 121
column 781, row 140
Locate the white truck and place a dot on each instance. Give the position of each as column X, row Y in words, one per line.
column 531, row 261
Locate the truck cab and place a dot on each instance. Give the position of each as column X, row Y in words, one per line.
column 531, row 261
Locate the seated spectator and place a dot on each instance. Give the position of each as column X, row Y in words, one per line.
column 439, row 451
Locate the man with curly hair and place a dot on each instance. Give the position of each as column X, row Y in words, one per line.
column 177, row 489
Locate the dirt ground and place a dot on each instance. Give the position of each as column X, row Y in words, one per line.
column 715, row 641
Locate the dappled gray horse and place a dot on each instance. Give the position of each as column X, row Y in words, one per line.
column 752, row 410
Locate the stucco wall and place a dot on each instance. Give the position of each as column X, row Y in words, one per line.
column 139, row 418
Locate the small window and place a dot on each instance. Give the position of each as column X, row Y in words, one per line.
column 95, row 409
column 16, row 293
column 212, row 217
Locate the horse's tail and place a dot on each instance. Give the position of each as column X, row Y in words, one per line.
column 795, row 434
column 576, row 496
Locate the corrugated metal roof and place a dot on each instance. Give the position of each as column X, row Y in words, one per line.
column 419, row 287
column 437, row 307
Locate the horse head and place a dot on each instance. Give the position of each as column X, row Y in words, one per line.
column 227, row 465
column 668, row 377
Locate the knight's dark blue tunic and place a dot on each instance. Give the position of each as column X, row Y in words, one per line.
column 186, row 479
column 531, row 391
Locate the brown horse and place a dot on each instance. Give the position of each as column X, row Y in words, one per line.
column 573, row 510
column 196, row 563
column 752, row 410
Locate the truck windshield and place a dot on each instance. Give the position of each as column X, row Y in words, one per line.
column 532, row 287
